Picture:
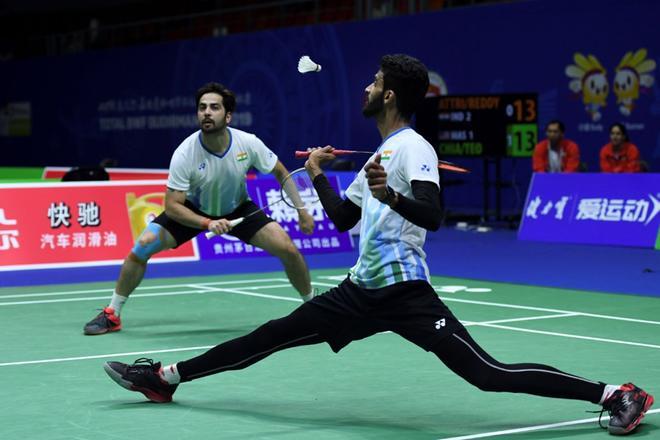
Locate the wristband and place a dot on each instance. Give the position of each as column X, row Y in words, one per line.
column 205, row 223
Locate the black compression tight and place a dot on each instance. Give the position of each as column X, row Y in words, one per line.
column 459, row 352
column 279, row 334
column 467, row 359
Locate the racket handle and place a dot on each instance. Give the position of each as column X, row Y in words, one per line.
column 232, row 223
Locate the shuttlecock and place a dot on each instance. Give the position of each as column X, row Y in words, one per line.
column 305, row 64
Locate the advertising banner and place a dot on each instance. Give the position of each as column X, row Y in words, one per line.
column 615, row 209
column 72, row 224
column 46, row 225
column 325, row 238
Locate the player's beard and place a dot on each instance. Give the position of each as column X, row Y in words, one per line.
column 213, row 128
column 374, row 106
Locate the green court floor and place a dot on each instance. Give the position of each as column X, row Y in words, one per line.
column 53, row 386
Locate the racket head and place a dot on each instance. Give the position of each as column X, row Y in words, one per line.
column 298, row 190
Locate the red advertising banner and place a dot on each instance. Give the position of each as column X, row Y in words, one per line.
column 44, row 225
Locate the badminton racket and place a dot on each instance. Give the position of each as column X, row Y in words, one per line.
column 297, row 192
column 442, row 164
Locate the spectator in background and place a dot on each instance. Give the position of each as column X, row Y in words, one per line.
column 556, row 154
column 620, row 155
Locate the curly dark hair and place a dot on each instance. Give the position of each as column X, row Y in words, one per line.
column 228, row 98
column 408, row 78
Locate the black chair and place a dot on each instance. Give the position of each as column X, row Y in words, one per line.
column 78, row 174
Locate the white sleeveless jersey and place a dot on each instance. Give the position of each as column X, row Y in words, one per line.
column 391, row 246
column 214, row 183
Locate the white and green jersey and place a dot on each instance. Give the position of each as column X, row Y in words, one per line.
column 391, row 246
column 215, row 183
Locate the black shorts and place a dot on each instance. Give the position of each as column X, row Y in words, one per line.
column 243, row 231
column 411, row 309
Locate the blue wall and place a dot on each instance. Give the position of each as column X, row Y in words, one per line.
column 81, row 105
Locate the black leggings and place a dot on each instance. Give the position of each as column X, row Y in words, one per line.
column 466, row 358
column 458, row 351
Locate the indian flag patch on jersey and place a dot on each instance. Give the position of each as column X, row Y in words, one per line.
column 241, row 156
column 386, row 155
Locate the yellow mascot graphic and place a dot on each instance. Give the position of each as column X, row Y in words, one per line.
column 632, row 73
column 589, row 77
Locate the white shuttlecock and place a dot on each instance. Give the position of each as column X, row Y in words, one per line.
column 305, row 64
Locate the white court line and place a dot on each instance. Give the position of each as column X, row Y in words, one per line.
column 101, row 356
column 316, row 283
column 161, row 286
column 564, row 335
column 204, row 289
column 258, row 295
column 535, row 428
column 542, row 309
column 100, row 298
column 44, row 361
column 531, row 318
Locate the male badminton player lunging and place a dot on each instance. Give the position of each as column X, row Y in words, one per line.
column 397, row 197
column 205, row 190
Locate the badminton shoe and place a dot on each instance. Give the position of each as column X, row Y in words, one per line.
column 105, row 322
column 626, row 407
column 144, row 377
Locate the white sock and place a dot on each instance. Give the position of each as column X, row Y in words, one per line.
column 310, row 295
column 117, row 302
column 609, row 390
column 170, row 374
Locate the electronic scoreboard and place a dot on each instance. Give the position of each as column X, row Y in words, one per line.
column 503, row 125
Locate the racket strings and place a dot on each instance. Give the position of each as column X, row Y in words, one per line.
column 298, row 190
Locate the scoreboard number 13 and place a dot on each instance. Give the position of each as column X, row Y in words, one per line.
column 522, row 110
column 521, row 139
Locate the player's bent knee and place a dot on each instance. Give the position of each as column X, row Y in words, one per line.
column 149, row 243
column 289, row 250
column 134, row 258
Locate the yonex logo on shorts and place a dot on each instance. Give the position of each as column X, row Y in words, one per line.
column 439, row 323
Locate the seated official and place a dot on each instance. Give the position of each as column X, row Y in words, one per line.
column 556, row 154
column 620, row 155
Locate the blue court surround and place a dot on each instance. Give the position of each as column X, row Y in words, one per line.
column 492, row 256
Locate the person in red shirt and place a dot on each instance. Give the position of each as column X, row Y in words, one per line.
column 556, row 154
column 620, row 155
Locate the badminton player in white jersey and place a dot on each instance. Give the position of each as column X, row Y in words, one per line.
column 397, row 197
column 205, row 190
